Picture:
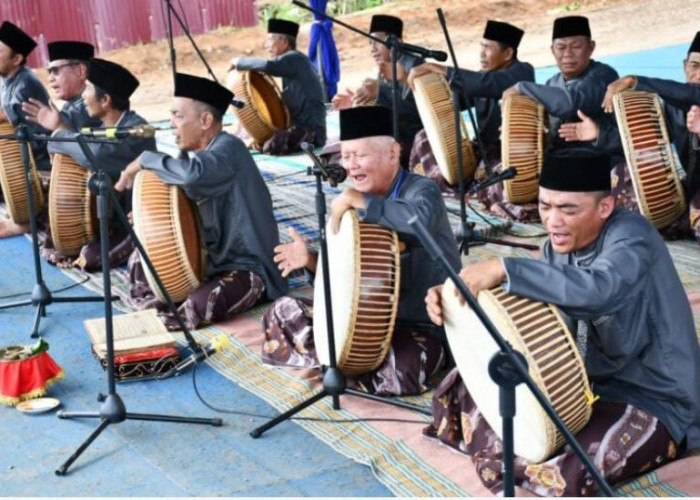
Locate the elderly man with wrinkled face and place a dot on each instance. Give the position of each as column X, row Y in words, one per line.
column 386, row 195
column 238, row 227
column 611, row 276
column 499, row 70
column 302, row 91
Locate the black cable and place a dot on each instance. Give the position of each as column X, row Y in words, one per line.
column 3, row 297
column 307, row 419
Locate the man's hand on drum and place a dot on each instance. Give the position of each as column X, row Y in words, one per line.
column 367, row 93
column 424, row 69
column 347, row 200
column 126, row 179
column 477, row 277
column 693, row 119
column 343, row 101
column 295, row 255
column 585, row 130
column 624, row 83
column 48, row 117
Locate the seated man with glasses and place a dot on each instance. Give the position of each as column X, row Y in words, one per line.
column 386, row 195
column 67, row 69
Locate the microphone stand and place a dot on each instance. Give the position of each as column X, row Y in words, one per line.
column 41, row 296
column 171, row 44
column 508, row 368
column 466, row 235
column 112, row 409
column 334, row 380
column 393, row 43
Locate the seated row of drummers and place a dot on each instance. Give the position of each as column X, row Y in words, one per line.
column 574, row 94
column 233, row 204
column 627, row 383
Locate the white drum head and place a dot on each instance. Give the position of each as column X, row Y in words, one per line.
column 344, row 252
column 472, row 348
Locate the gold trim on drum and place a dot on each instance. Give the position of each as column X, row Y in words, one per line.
column 364, row 309
column 434, row 103
column 166, row 224
column 536, row 330
column 263, row 112
column 524, row 132
column 12, row 179
column 651, row 162
column 72, row 211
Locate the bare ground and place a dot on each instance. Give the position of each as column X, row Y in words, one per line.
column 618, row 26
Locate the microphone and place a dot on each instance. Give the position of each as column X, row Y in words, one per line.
column 237, row 104
column 335, row 174
column 120, row 132
column 217, row 343
column 438, row 55
column 508, row 173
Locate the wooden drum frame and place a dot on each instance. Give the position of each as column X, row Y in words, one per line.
column 12, row 178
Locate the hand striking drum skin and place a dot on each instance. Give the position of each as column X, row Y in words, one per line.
column 264, row 113
column 12, row 181
column 364, row 280
column 537, row 331
column 650, row 160
column 434, row 103
column 72, row 210
column 166, row 223
column 523, row 142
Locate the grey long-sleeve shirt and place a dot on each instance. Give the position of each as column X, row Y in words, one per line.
column 18, row 89
column 416, row 195
column 562, row 98
column 302, row 91
column 238, row 225
column 112, row 157
column 642, row 349
column 484, row 90
column 74, row 114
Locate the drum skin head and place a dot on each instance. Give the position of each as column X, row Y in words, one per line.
column 535, row 437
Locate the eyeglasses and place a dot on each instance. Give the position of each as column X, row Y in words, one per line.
column 53, row 70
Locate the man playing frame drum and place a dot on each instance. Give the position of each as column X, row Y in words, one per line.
column 500, row 69
column 612, row 278
column 105, row 97
column 302, row 91
column 237, row 224
column 386, row 195
column 677, row 100
column 579, row 86
column 18, row 83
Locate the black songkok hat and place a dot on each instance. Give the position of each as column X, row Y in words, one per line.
column 575, row 170
column 82, row 51
column 203, row 90
column 114, row 79
column 16, row 39
column 282, row 27
column 503, row 33
column 571, row 26
column 386, row 24
column 365, row 121
column 695, row 46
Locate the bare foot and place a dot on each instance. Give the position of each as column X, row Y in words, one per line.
column 9, row 228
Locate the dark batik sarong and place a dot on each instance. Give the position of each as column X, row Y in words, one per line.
column 90, row 257
column 218, row 299
column 623, row 442
column 288, row 141
column 413, row 358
